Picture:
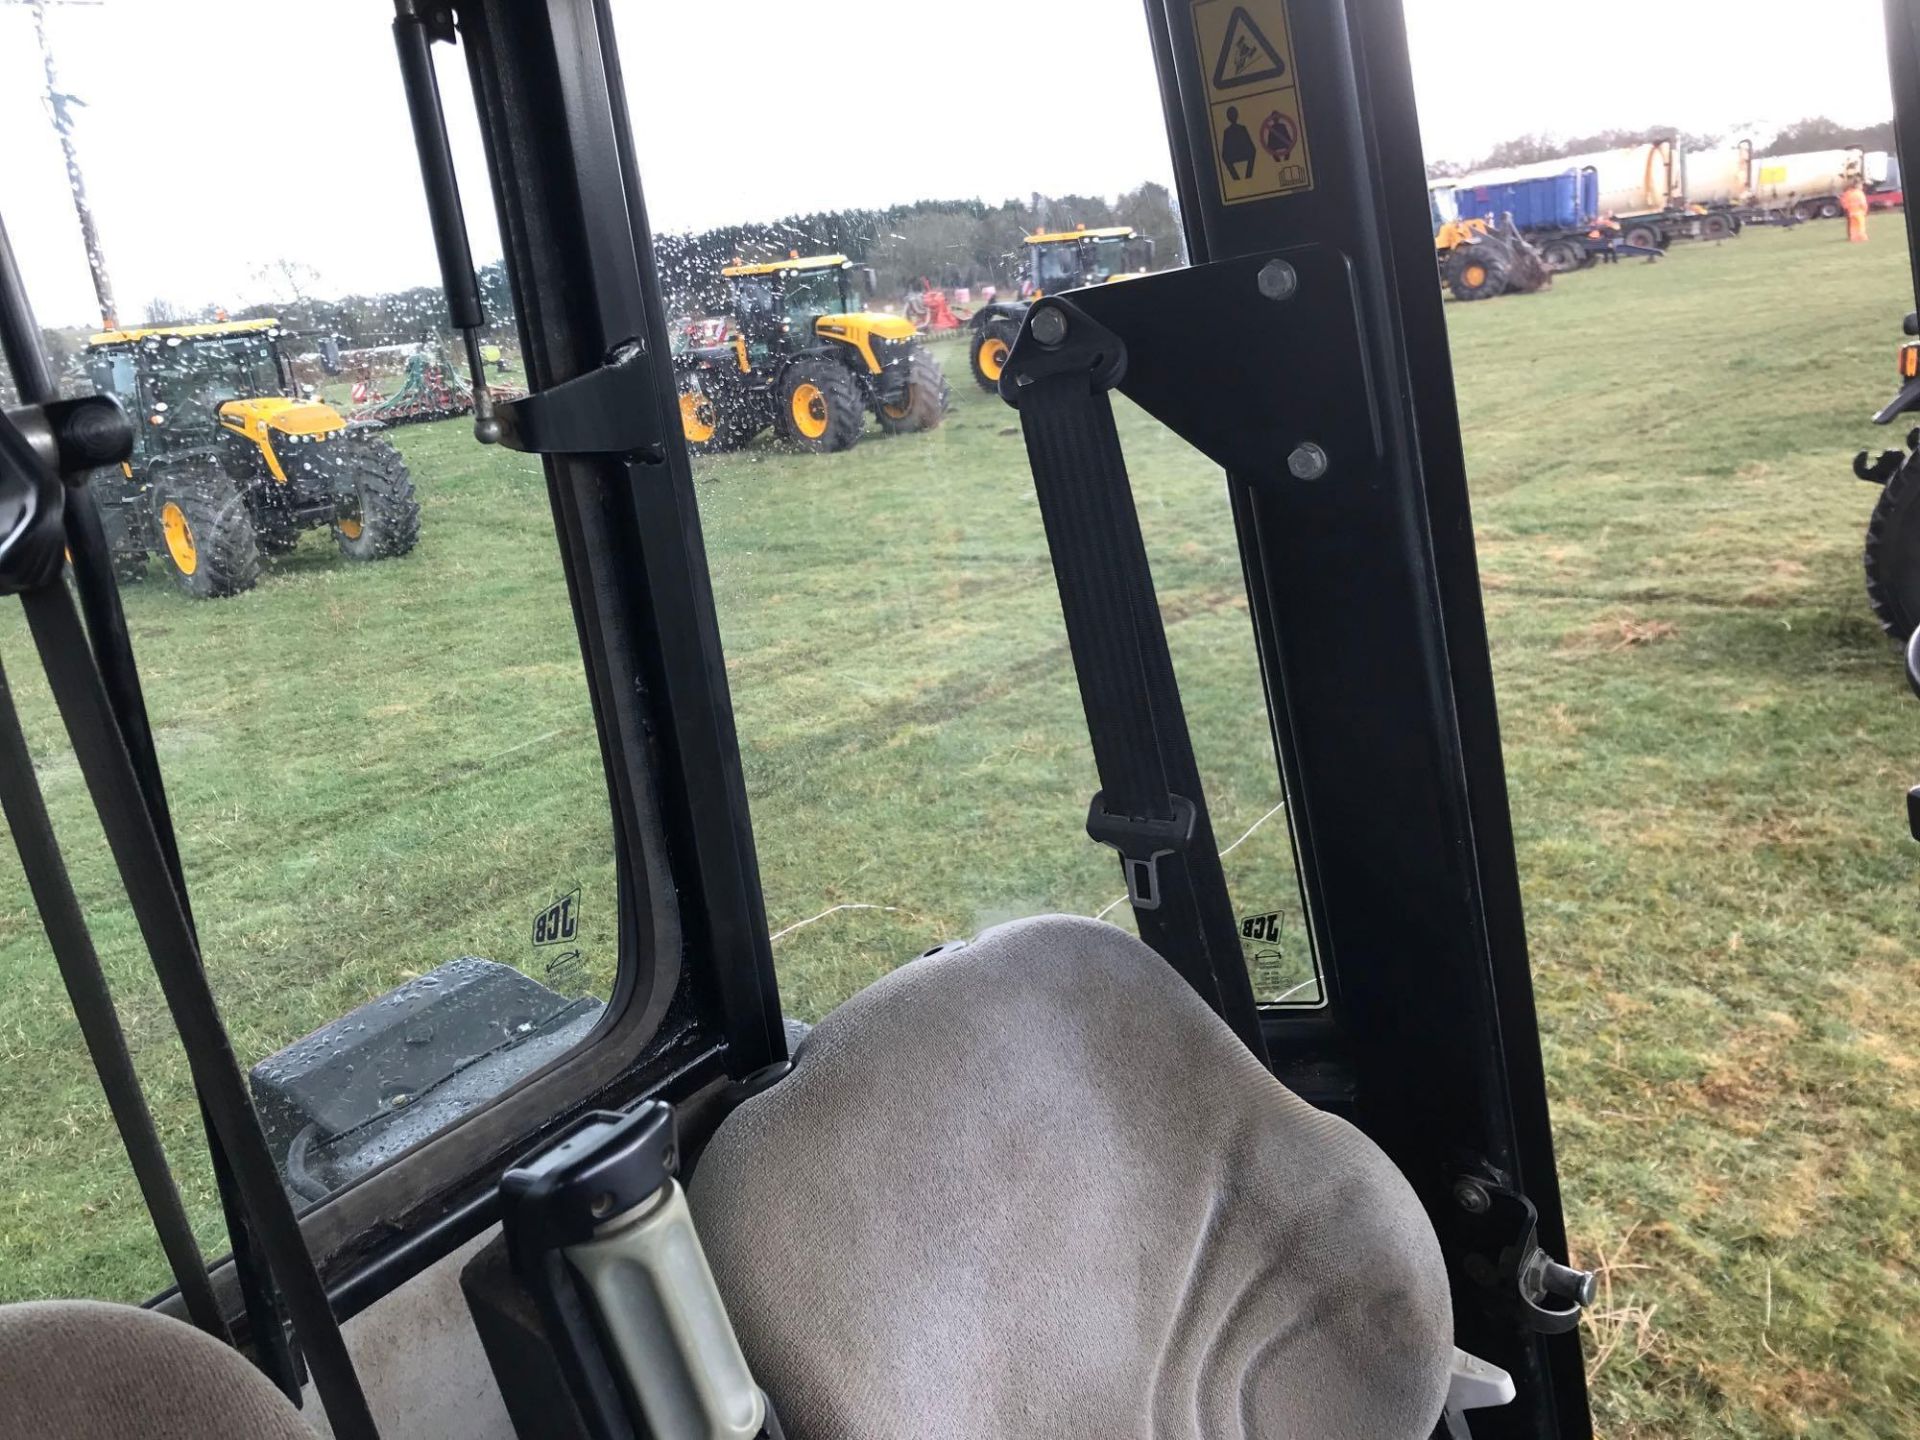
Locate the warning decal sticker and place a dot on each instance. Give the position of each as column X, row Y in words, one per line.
column 1258, row 133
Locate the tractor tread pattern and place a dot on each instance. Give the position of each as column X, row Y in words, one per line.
column 1006, row 332
column 389, row 509
column 227, row 551
column 1891, row 557
column 929, row 397
column 846, row 412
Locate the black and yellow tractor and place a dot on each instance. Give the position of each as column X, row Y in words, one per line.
column 1054, row 260
column 801, row 358
column 231, row 461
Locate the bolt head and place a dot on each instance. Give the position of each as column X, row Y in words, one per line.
column 1049, row 325
column 1307, row 462
column 1277, row 280
column 1471, row 1196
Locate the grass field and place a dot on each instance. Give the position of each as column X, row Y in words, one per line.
column 378, row 768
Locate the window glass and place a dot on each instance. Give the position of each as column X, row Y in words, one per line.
column 915, row 752
column 351, row 621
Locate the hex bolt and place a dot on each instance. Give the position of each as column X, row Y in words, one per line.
column 1277, row 280
column 1471, row 1196
column 1307, row 462
column 1049, row 325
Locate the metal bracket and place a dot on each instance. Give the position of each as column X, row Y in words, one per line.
column 39, row 446
column 608, row 411
column 1198, row 349
column 1500, row 1233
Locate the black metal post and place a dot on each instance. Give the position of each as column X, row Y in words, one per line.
column 113, row 652
column 93, row 1008
column 1365, row 604
column 137, row 852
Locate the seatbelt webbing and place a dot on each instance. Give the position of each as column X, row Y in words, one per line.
column 1150, row 807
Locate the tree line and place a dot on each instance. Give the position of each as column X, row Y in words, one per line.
column 1815, row 132
column 945, row 243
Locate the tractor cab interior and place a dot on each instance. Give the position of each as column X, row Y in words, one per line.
column 1252, row 1142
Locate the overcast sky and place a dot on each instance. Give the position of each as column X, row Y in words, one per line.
column 223, row 135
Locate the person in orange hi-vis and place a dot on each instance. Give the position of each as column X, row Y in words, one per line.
column 1853, row 200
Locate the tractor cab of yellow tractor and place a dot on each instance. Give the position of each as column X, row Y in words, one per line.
column 1030, row 1174
column 1052, row 261
column 231, row 462
column 802, row 360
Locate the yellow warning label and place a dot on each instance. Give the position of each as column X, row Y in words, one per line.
column 1259, row 132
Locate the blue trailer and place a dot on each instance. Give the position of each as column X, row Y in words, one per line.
column 1554, row 212
column 1558, row 203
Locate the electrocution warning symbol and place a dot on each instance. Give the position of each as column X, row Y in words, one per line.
column 1246, row 56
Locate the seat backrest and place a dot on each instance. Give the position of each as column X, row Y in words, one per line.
column 1035, row 1188
column 82, row 1370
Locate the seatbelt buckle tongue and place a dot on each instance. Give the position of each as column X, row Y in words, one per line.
column 1142, row 840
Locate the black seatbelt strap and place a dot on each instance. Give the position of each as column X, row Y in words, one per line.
column 1149, row 808
column 26, row 814
column 32, row 547
column 113, row 654
column 137, row 853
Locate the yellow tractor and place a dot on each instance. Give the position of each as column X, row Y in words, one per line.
column 1054, row 260
column 800, row 358
column 231, row 462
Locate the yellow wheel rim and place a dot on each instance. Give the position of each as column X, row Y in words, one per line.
column 903, row 409
column 349, row 527
column 809, row 410
column 179, row 538
column 697, row 419
column 993, row 357
column 1475, row 276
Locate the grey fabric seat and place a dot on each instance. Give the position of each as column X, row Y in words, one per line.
column 1035, row 1188
column 82, row 1370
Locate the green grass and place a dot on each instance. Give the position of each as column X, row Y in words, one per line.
column 376, row 768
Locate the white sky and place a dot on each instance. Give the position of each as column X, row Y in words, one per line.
column 268, row 130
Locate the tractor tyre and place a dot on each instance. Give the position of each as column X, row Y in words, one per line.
column 203, row 531
column 820, row 407
column 378, row 518
column 925, row 401
column 1892, row 555
column 1475, row 272
column 709, row 425
column 1563, row 256
column 992, row 343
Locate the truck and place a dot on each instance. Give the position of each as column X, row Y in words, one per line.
column 1659, row 191
column 1807, row 185
column 1553, row 211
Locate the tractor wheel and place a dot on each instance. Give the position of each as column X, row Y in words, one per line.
column 202, row 530
column 924, row 404
column 709, row 426
column 1562, row 256
column 1643, row 235
column 378, row 517
column 1474, row 272
column 1892, row 556
column 992, row 343
column 820, row 409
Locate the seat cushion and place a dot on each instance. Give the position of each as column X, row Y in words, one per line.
column 1035, row 1188
column 81, row 1370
